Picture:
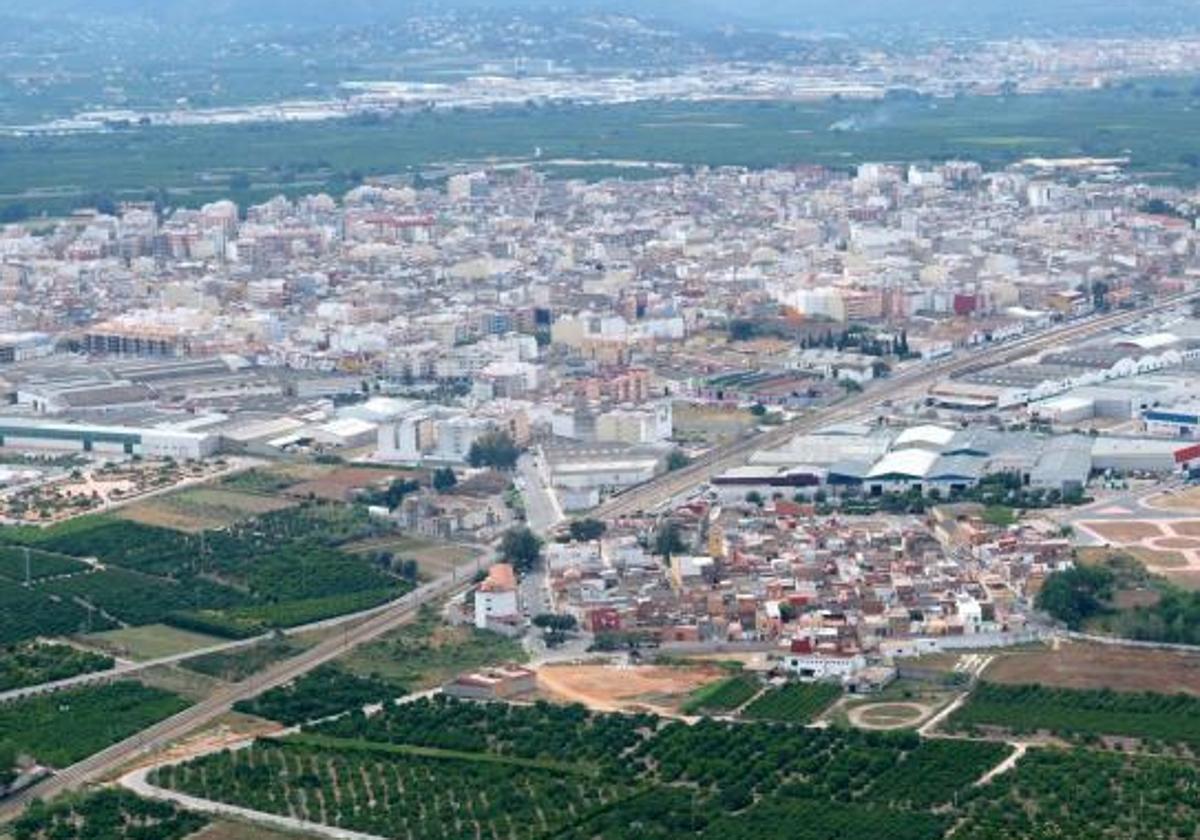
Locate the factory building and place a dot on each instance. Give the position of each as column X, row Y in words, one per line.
column 30, row 434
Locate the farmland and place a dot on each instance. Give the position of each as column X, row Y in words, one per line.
column 793, row 703
column 1132, row 119
column 150, row 641
column 1099, row 666
column 723, row 696
column 1082, row 714
column 427, row 652
column 434, row 768
column 63, row 728
column 33, row 664
column 279, row 568
column 318, row 694
column 201, row 509
column 108, row 814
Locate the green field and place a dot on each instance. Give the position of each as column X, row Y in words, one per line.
column 793, row 703
column 34, row 664
column 60, row 729
column 153, row 641
column 1154, row 122
column 1082, row 714
column 723, row 696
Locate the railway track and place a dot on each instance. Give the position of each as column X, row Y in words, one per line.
column 648, row 496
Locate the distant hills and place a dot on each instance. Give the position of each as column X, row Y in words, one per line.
column 967, row 16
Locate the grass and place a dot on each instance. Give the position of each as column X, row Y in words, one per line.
column 237, row 665
column 427, row 653
column 999, row 516
column 154, row 641
column 435, row 559
column 201, row 509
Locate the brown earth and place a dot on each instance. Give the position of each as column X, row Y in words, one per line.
column 1124, row 532
column 611, row 688
column 1100, row 666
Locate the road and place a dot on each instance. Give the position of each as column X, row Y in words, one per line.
column 542, row 509
column 906, row 385
column 173, row 728
column 644, row 497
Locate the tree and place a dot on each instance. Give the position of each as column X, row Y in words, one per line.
column 586, row 530
column 8, row 763
column 1075, row 595
column 758, row 409
column 444, row 479
column 677, row 460
column 522, row 548
column 667, row 540
column 560, row 623
column 754, row 498
column 494, row 449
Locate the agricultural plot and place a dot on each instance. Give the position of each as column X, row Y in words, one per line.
column 793, row 703
column 319, row 694
column 722, row 697
column 1082, row 714
column 427, row 652
column 108, row 814
column 382, row 793
column 237, row 665
column 441, row 768
column 151, row 641
column 62, row 728
column 34, row 664
column 280, row 568
column 1086, row 794
column 201, row 509
column 29, row 613
column 42, row 564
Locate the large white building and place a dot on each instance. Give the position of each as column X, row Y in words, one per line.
column 26, row 433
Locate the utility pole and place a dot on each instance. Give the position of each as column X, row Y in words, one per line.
column 28, row 571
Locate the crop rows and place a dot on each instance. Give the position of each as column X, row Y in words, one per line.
column 723, row 696
column 42, row 564
column 1030, row 708
column 793, row 703
column 413, row 797
column 41, row 663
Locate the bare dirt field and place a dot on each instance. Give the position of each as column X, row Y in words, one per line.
column 435, row 558
column 1186, row 527
column 888, row 715
column 201, row 509
column 1124, row 532
column 1177, row 542
column 341, row 484
column 612, row 688
column 1100, row 666
column 1184, row 501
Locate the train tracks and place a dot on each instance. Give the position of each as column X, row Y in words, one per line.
column 648, row 496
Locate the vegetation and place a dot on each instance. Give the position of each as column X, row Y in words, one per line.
column 278, row 569
column 677, row 459
column 1082, row 714
column 107, row 814
column 794, row 702
column 444, row 479
column 494, row 449
column 427, row 652
column 1077, row 594
column 668, row 541
column 722, row 696
column 1086, row 794
column 34, row 664
column 62, row 728
column 42, row 564
column 522, row 548
column 237, row 665
column 320, row 693
column 586, row 530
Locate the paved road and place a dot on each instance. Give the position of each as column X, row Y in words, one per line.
column 204, row 712
column 906, row 385
column 542, row 509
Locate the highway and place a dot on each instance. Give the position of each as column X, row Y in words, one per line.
column 911, row 383
column 173, row 728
